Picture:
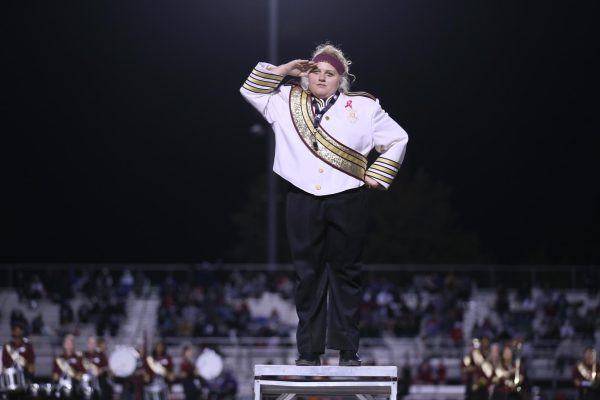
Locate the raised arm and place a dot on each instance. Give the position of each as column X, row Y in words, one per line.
column 264, row 80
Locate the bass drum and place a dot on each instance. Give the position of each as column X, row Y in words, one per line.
column 123, row 361
column 209, row 364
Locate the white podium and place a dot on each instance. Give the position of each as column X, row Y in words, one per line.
column 284, row 382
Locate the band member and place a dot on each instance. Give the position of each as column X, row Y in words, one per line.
column 585, row 376
column 142, row 375
column 96, row 364
column 509, row 376
column 102, row 346
column 160, row 363
column 18, row 353
column 473, row 376
column 68, row 369
column 187, row 373
column 324, row 134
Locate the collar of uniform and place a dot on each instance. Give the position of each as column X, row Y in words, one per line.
column 322, row 103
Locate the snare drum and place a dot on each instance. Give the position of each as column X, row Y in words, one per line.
column 156, row 390
column 40, row 390
column 123, row 361
column 13, row 380
column 64, row 388
column 86, row 386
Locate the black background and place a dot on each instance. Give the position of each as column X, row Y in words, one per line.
column 125, row 137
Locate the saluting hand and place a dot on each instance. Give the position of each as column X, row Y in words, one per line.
column 298, row 68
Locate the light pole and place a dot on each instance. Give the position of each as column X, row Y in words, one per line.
column 271, row 179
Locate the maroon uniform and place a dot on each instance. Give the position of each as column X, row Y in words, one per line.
column 186, row 369
column 587, row 380
column 507, row 381
column 96, row 361
column 154, row 363
column 71, row 364
column 21, row 353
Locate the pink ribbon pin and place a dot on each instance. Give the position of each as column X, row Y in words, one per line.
column 348, row 104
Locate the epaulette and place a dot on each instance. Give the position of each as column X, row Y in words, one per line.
column 363, row 94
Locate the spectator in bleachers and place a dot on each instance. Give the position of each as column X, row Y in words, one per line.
column 425, row 373
column 38, row 327
column 440, row 377
column 66, row 314
column 18, row 318
column 126, row 282
column 405, row 378
column 142, row 284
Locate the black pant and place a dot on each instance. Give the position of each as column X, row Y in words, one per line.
column 327, row 235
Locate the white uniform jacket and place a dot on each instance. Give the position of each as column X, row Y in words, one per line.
column 350, row 129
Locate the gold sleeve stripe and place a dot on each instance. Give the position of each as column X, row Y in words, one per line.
column 389, row 162
column 383, row 169
column 262, row 83
column 256, row 90
column 387, row 166
column 268, row 76
column 382, row 164
column 379, row 177
column 260, row 78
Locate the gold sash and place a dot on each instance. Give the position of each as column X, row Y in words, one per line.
column 15, row 356
column 329, row 150
column 587, row 373
column 156, row 366
column 64, row 366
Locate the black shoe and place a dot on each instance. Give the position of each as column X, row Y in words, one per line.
column 349, row 359
column 309, row 360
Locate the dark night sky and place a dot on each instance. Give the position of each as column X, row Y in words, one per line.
column 125, row 138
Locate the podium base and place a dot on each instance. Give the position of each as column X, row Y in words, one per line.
column 284, row 382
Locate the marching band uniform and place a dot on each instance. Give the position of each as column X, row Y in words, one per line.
column 158, row 374
column 476, row 378
column 71, row 366
column 96, row 360
column 507, row 383
column 19, row 352
column 482, row 381
column 187, row 373
column 353, row 126
column 326, row 208
column 160, row 366
column 96, row 363
column 586, row 380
